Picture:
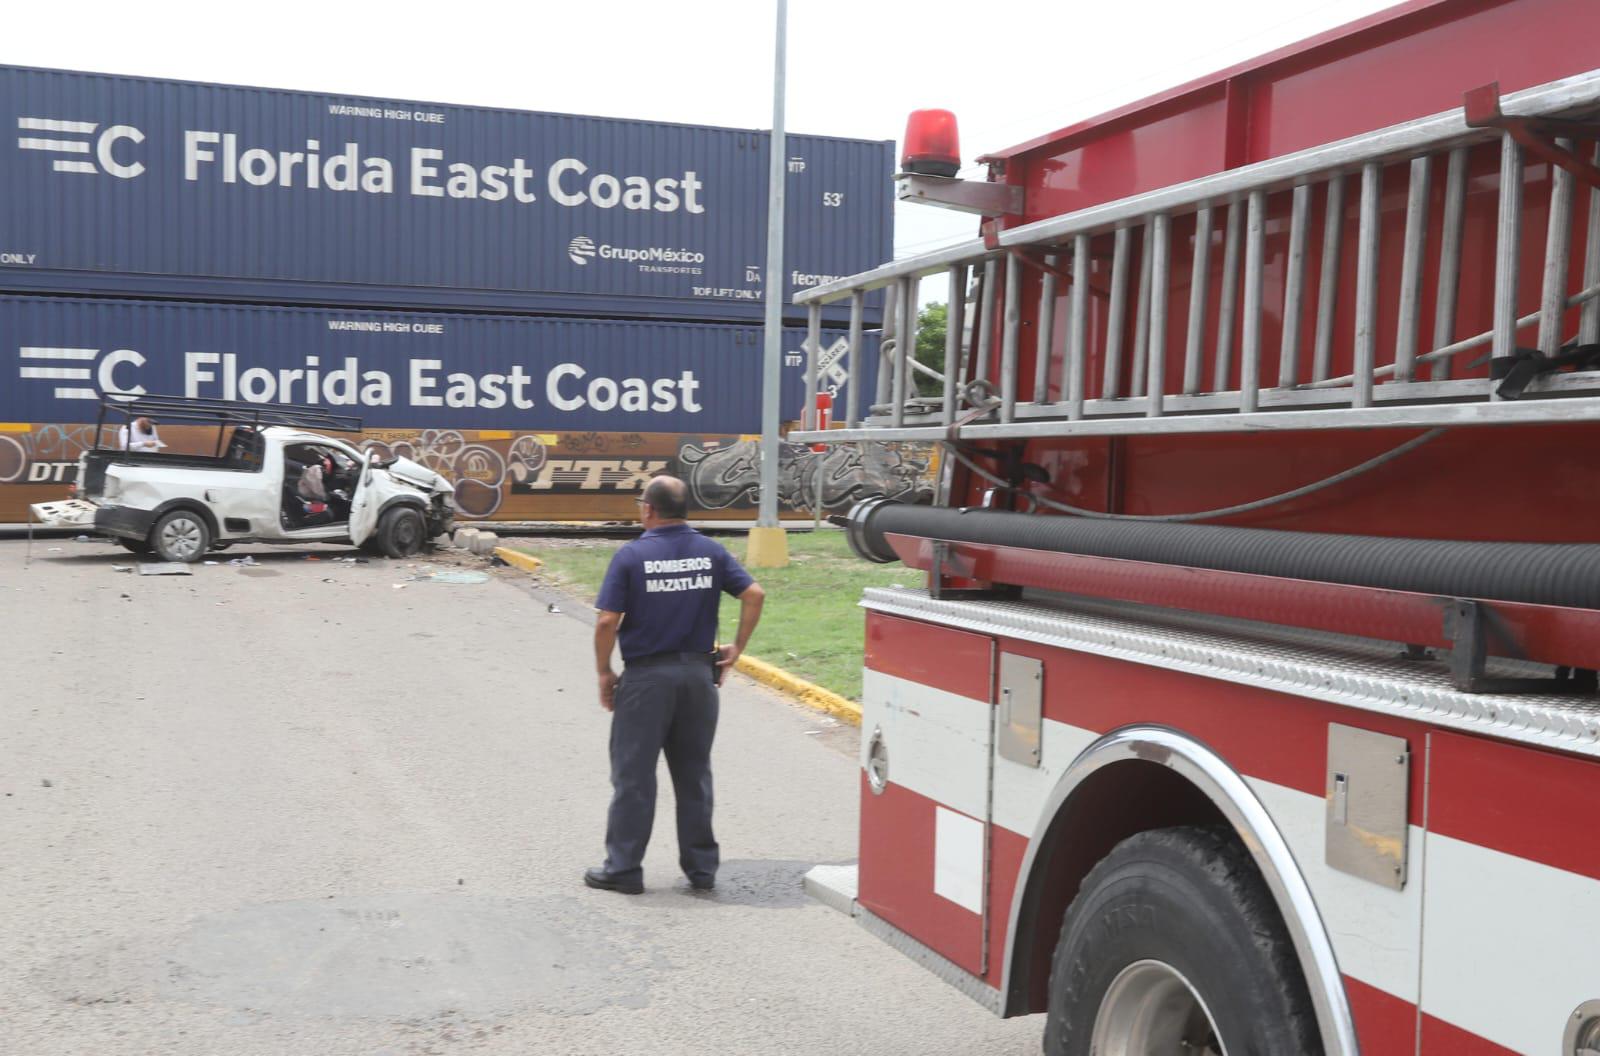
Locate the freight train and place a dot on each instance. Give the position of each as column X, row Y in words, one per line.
column 534, row 304
column 533, row 418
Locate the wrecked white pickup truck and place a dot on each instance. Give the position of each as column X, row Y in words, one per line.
column 271, row 479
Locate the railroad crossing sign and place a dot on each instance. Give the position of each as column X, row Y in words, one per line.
column 831, row 372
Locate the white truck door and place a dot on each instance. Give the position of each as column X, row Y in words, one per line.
column 247, row 503
column 364, row 504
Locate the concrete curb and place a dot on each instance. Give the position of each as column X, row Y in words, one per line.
column 808, row 693
column 518, row 559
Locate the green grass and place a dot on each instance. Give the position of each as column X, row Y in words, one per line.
column 811, row 625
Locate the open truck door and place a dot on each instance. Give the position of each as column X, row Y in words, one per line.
column 363, row 507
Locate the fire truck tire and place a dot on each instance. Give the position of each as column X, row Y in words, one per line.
column 401, row 531
column 1173, row 944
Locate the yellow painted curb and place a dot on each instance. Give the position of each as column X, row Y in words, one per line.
column 518, row 559
column 808, row 693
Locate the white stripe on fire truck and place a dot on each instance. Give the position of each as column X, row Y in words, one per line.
column 935, row 741
column 1375, row 931
column 1510, row 945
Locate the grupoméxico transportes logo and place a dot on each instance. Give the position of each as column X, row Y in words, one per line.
column 583, row 249
column 580, row 249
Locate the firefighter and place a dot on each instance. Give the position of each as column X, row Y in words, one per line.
column 660, row 598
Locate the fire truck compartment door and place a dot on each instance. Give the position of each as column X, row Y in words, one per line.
column 1511, row 908
column 926, row 749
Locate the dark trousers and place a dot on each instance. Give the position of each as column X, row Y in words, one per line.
column 670, row 707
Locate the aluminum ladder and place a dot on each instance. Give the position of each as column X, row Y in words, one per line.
column 974, row 404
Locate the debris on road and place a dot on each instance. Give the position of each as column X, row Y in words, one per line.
column 165, row 568
column 553, row 608
column 122, row 568
column 244, row 562
column 454, row 577
column 429, row 574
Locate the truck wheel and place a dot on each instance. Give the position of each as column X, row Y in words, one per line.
column 181, row 536
column 400, row 531
column 1174, row 944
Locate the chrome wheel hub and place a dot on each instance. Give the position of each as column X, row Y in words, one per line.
column 180, row 537
column 1150, row 1009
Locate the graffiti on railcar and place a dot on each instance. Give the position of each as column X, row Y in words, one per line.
column 728, row 476
column 504, row 475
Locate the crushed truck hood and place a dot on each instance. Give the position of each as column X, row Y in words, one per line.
column 417, row 475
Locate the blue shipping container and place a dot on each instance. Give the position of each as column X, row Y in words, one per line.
column 403, row 370
column 143, row 187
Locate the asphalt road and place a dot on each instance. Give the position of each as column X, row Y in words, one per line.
column 291, row 809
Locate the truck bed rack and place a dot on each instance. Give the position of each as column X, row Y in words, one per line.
column 202, row 411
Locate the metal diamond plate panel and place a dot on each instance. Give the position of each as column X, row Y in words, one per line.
column 1360, row 673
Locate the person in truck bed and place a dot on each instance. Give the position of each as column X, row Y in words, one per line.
column 142, row 437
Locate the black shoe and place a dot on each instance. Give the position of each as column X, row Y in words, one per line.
column 604, row 881
column 703, row 885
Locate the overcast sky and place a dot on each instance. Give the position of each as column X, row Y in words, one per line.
column 1010, row 69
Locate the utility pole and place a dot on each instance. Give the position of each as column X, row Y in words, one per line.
column 769, row 546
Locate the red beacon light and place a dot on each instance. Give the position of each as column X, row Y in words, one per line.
column 932, row 145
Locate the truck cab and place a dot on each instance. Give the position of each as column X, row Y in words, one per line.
column 270, row 479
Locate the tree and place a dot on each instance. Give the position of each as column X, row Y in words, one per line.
column 931, row 322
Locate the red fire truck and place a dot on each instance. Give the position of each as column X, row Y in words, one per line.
column 1250, row 706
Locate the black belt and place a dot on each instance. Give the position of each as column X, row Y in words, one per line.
column 655, row 659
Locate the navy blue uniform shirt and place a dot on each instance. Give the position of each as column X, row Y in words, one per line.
column 667, row 584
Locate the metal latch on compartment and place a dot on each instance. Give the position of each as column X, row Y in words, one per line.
column 1368, row 789
column 1021, row 708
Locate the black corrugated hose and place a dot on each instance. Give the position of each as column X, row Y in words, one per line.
column 1564, row 574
